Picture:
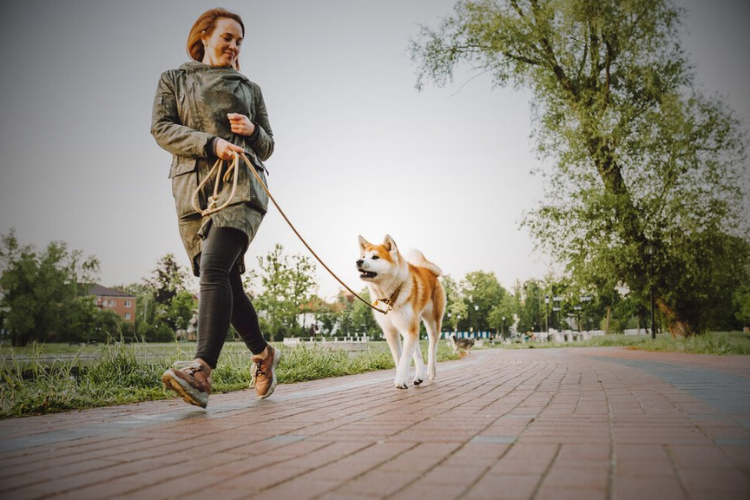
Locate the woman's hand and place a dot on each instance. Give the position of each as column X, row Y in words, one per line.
column 241, row 124
column 225, row 149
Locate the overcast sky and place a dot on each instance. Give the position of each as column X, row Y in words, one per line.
column 358, row 149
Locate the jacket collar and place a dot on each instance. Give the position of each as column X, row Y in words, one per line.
column 199, row 67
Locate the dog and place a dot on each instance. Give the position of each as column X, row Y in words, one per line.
column 458, row 344
column 411, row 291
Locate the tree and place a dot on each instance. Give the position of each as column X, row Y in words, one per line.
column 502, row 315
column 40, row 291
column 645, row 190
column 481, row 292
column 363, row 321
column 455, row 308
column 167, row 280
column 165, row 299
column 531, row 311
column 741, row 302
column 287, row 282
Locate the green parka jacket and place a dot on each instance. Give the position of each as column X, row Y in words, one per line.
column 190, row 111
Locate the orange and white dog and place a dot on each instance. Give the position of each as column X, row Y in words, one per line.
column 411, row 291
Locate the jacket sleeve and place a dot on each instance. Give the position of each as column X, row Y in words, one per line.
column 262, row 139
column 166, row 128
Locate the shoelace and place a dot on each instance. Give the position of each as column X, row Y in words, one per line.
column 190, row 365
column 193, row 367
column 259, row 370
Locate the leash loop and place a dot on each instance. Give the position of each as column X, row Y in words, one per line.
column 213, row 201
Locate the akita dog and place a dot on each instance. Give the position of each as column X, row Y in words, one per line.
column 411, row 291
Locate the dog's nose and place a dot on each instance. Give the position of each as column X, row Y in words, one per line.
column 360, row 262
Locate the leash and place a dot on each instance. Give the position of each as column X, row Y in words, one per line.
column 233, row 168
column 213, row 201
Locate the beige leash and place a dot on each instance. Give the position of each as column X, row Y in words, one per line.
column 213, row 201
column 233, row 168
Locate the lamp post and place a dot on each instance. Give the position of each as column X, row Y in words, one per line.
column 650, row 252
column 546, row 313
column 558, row 299
column 577, row 308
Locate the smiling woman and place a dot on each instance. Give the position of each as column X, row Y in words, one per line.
column 206, row 112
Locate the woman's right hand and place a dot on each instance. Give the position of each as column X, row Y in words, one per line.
column 225, row 149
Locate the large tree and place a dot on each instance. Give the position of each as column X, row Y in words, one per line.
column 647, row 185
column 42, row 292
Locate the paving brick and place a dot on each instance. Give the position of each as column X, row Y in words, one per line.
column 665, row 488
column 510, row 487
column 552, row 423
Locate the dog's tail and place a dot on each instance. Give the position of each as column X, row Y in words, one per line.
column 417, row 258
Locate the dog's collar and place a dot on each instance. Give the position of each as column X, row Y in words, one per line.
column 390, row 301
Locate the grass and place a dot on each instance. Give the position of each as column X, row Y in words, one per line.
column 49, row 378
column 131, row 373
column 722, row 343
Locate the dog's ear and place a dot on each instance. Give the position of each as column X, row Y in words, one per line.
column 389, row 244
column 362, row 243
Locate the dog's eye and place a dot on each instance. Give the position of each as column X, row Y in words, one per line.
column 375, row 257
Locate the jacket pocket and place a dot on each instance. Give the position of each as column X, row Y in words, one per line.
column 182, row 165
column 184, row 182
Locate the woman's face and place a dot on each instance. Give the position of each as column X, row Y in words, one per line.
column 222, row 46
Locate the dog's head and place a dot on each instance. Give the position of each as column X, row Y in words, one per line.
column 378, row 262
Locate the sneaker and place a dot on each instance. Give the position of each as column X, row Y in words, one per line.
column 188, row 379
column 263, row 373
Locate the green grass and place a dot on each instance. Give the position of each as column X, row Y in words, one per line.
column 722, row 343
column 131, row 373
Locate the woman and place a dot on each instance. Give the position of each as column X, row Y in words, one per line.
column 203, row 111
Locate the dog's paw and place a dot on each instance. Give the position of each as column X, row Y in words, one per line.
column 401, row 385
column 418, row 381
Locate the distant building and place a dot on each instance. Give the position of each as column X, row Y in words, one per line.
column 114, row 300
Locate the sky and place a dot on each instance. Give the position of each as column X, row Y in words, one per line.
column 359, row 151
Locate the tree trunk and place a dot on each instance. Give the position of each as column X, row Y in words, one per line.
column 606, row 325
column 677, row 327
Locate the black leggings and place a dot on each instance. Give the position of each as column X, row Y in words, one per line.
column 222, row 299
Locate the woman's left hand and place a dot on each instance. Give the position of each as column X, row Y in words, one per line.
column 241, row 124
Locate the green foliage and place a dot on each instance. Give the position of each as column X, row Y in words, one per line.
column 502, row 314
column 363, row 319
column 287, row 282
column 41, row 289
column 481, row 292
column 167, row 280
column 643, row 159
column 741, row 302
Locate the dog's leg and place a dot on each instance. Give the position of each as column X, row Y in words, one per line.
column 394, row 343
column 402, row 370
column 418, row 364
column 433, row 333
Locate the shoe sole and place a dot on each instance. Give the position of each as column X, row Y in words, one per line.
column 276, row 359
column 172, row 383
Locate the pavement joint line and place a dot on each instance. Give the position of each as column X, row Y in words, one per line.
column 676, row 376
column 546, row 413
column 122, row 427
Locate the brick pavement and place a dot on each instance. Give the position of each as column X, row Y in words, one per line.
column 579, row 423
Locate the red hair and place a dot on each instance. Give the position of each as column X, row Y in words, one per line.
column 204, row 26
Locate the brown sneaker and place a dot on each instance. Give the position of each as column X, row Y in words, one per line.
column 191, row 380
column 263, row 373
